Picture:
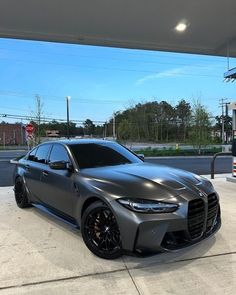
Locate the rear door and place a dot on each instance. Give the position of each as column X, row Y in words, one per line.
column 34, row 166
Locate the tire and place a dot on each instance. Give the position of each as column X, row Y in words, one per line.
column 21, row 196
column 100, row 231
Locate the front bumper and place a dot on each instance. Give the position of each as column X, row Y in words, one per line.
column 174, row 238
column 194, row 221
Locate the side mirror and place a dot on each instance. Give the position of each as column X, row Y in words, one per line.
column 141, row 156
column 59, row 165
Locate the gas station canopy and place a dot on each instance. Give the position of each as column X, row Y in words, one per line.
column 208, row 26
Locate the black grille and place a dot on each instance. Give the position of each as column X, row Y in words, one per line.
column 203, row 219
column 196, row 218
column 211, row 211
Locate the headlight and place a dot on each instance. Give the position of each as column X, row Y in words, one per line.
column 147, row 206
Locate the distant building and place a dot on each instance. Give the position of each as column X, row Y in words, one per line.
column 12, row 134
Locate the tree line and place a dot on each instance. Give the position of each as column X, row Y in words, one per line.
column 163, row 122
column 152, row 121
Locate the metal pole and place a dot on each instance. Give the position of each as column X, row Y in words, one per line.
column 223, row 124
column 226, row 125
column 68, row 116
column 234, row 139
column 105, row 130
column 232, row 106
column 114, row 127
column 213, row 161
column 21, row 133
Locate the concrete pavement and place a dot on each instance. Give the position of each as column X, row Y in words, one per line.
column 40, row 254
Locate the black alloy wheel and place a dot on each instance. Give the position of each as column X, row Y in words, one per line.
column 100, row 231
column 21, row 194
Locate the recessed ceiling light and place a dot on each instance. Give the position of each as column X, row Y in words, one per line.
column 181, row 27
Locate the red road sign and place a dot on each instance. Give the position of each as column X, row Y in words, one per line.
column 29, row 128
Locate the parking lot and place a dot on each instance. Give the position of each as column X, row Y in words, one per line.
column 40, row 254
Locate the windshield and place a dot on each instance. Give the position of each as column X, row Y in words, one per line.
column 93, row 155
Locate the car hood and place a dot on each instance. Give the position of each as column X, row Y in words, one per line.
column 147, row 181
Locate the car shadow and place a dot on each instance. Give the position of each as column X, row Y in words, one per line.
column 186, row 255
column 56, row 220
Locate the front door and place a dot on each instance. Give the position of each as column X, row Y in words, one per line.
column 58, row 185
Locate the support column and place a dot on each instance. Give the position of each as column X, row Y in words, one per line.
column 232, row 106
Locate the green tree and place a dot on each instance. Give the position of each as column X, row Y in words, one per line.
column 167, row 114
column 89, row 127
column 227, row 127
column 124, row 130
column 182, row 116
column 201, row 127
column 37, row 115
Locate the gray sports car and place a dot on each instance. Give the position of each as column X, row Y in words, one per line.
column 121, row 203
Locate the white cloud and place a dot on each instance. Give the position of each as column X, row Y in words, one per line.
column 168, row 73
column 206, row 70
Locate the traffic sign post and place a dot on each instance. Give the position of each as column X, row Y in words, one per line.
column 29, row 128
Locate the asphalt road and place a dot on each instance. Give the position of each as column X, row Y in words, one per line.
column 199, row 165
column 6, row 169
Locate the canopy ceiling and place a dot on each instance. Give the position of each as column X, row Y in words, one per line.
column 140, row 24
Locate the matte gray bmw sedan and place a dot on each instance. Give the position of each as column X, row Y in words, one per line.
column 121, row 203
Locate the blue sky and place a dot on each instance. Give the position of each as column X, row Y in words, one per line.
column 102, row 80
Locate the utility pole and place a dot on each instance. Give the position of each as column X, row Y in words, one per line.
column 105, row 130
column 223, row 123
column 227, row 122
column 21, row 133
column 68, row 116
column 14, row 136
column 114, row 126
column 222, row 104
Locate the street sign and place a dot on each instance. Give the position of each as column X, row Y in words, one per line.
column 29, row 137
column 29, row 128
column 52, row 133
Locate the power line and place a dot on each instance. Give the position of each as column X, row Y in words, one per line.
column 43, row 119
column 50, row 119
column 109, row 68
column 60, row 98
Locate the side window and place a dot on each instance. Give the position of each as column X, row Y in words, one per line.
column 31, row 156
column 42, row 153
column 59, row 153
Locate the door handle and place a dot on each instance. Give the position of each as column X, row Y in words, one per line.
column 45, row 173
column 76, row 187
column 27, row 166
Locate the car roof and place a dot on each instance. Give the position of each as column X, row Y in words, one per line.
column 70, row 142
